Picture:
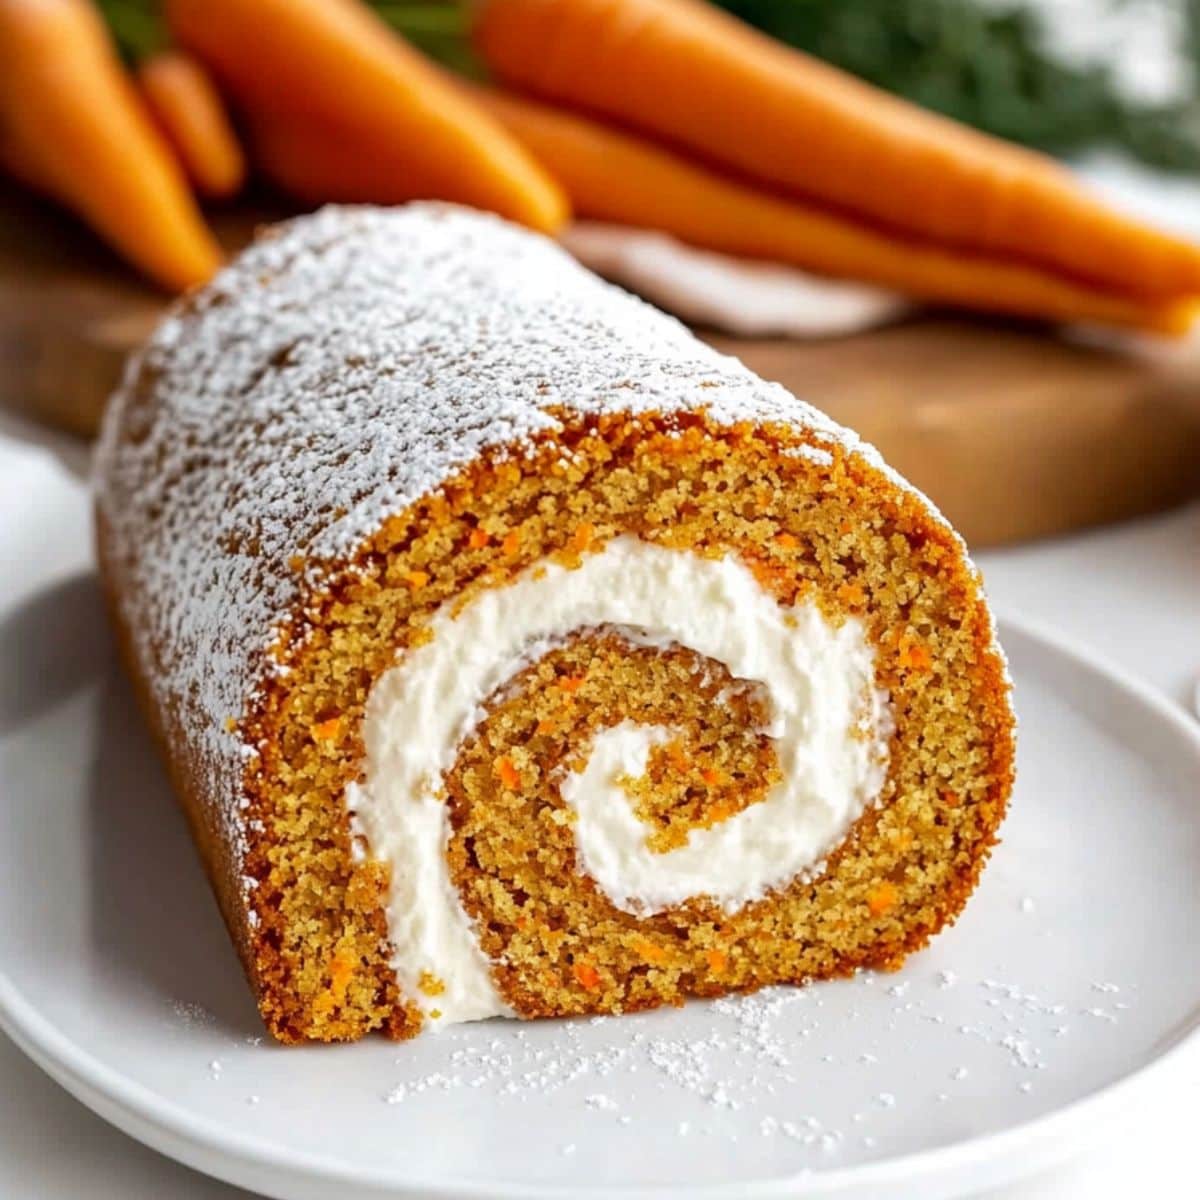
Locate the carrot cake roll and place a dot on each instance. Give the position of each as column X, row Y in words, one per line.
column 514, row 653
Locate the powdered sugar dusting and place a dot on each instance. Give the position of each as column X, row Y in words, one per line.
column 778, row 1082
column 335, row 373
column 758, row 1065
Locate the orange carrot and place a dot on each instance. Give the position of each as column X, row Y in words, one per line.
column 316, row 162
column 587, row 976
column 508, row 773
column 616, row 177
column 189, row 111
column 327, row 71
column 71, row 122
column 697, row 78
column 882, row 898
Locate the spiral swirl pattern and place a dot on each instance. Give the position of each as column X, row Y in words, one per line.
column 487, row 803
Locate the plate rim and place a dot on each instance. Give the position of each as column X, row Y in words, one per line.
column 245, row 1160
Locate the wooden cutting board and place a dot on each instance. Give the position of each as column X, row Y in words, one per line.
column 1014, row 432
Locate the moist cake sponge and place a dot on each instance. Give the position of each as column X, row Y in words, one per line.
column 512, row 652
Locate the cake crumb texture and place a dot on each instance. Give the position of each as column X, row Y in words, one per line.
column 839, row 535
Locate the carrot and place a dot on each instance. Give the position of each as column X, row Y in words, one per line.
column 330, row 71
column 695, row 77
column 189, row 111
column 316, row 162
column 612, row 176
column 72, row 123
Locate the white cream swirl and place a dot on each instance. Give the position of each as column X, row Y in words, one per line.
column 830, row 723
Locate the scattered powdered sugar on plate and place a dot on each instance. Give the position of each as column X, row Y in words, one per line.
column 188, row 1013
column 788, row 1079
column 757, row 1069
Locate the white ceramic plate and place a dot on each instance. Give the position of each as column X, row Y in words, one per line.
column 1074, row 971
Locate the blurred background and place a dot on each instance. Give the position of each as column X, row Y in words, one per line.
column 1065, row 76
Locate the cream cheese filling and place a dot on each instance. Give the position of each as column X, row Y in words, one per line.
column 830, row 723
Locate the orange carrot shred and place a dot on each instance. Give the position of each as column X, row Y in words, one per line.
column 677, row 755
column 511, row 543
column 416, row 579
column 718, row 960
column 882, row 898
column 651, row 952
column 508, row 773
column 587, row 976
column 721, row 812
column 852, row 595
column 479, row 538
column 570, row 683
column 341, row 971
column 581, row 539
column 325, row 731
column 913, row 655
